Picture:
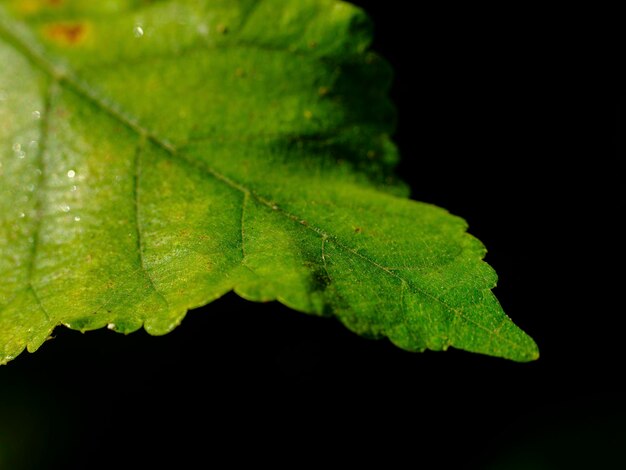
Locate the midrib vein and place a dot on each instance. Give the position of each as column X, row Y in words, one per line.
column 34, row 53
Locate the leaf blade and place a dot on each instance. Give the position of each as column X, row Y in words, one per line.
column 309, row 233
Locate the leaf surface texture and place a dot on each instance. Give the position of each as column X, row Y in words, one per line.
column 157, row 155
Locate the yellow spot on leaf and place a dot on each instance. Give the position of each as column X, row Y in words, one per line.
column 67, row 34
column 31, row 7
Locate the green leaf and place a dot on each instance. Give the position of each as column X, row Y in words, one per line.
column 157, row 155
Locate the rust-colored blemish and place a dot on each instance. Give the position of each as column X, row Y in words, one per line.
column 67, row 34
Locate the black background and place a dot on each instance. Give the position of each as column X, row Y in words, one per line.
column 505, row 118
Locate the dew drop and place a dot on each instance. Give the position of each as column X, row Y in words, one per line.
column 17, row 148
column 71, row 174
column 138, row 31
column 74, row 188
column 36, row 115
column 77, row 218
column 22, row 215
column 111, row 326
column 65, row 208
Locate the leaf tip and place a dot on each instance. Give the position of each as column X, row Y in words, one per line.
column 529, row 352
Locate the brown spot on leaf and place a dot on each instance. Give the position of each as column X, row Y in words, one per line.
column 67, row 34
